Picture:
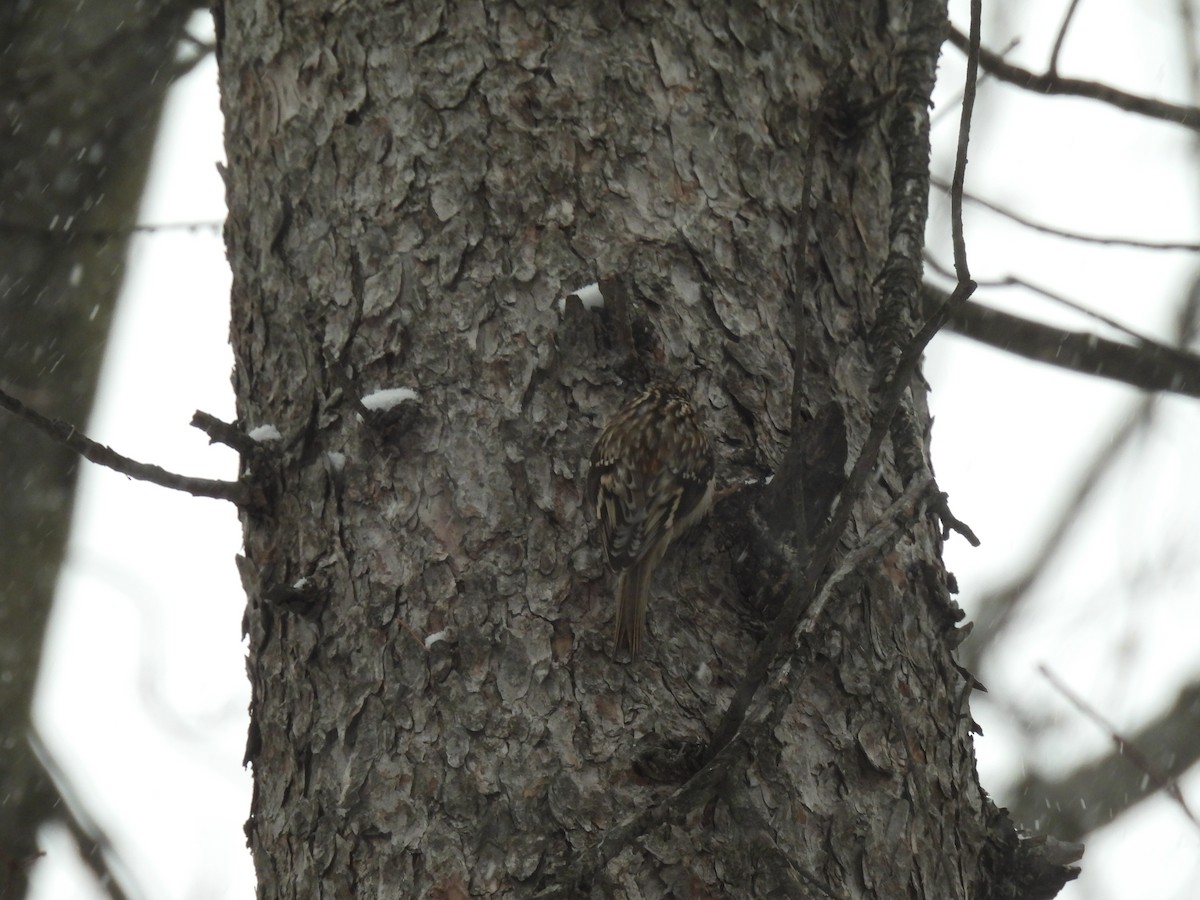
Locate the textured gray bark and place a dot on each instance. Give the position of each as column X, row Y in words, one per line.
column 411, row 188
column 82, row 85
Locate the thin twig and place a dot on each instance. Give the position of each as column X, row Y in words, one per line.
column 961, row 269
column 66, row 434
column 1166, row 351
column 1187, row 116
column 1190, row 246
column 1062, row 36
column 881, row 535
column 1075, row 306
column 69, row 231
column 1010, row 281
column 1125, row 748
column 947, row 106
column 830, row 535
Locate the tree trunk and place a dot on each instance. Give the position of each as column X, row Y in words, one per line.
column 436, row 707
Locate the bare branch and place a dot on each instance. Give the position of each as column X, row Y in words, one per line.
column 1062, row 300
column 1150, row 367
column 1190, row 246
column 1128, row 750
column 1009, row 281
column 948, row 105
column 93, row 851
column 961, row 269
column 1097, row 792
column 96, row 849
column 1187, row 116
column 998, row 607
column 66, row 434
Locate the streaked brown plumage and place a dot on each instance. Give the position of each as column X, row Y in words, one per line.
column 651, row 478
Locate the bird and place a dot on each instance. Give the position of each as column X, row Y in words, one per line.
column 651, row 477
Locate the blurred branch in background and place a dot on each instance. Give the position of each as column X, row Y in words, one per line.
column 84, row 85
column 1000, row 606
column 1092, row 795
column 1166, row 732
column 95, row 847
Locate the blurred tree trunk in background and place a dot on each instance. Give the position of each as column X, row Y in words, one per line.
column 436, row 711
column 82, row 87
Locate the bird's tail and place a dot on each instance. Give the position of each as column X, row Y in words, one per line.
column 633, row 596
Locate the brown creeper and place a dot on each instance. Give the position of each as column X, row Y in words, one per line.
column 651, row 479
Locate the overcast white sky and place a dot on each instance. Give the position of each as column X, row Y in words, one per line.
column 143, row 696
column 143, row 699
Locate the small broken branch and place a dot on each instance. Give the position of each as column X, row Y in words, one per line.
column 939, row 505
column 220, row 432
